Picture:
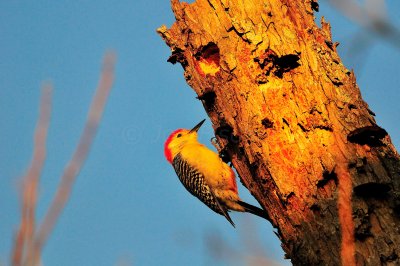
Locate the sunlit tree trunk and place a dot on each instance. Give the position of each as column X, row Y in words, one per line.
column 290, row 117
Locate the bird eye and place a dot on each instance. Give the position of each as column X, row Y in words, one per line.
column 179, row 135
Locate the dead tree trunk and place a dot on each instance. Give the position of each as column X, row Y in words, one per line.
column 291, row 118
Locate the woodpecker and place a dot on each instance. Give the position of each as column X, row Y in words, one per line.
column 204, row 174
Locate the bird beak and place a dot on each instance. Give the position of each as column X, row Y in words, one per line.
column 196, row 127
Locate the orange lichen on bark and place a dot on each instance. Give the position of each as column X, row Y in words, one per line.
column 208, row 67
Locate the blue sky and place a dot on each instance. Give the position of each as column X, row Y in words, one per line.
column 127, row 204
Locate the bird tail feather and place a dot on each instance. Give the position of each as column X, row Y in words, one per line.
column 253, row 210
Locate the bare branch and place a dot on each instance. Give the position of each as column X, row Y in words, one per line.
column 31, row 179
column 74, row 166
column 372, row 16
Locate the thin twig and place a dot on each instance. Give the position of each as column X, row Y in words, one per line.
column 31, row 179
column 75, row 164
column 372, row 16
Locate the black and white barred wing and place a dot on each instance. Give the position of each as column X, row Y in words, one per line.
column 194, row 182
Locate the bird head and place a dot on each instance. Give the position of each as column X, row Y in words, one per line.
column 178, row 139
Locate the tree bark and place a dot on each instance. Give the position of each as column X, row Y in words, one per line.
column 290, row 117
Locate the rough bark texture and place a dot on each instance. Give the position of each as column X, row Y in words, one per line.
column 290, row 117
